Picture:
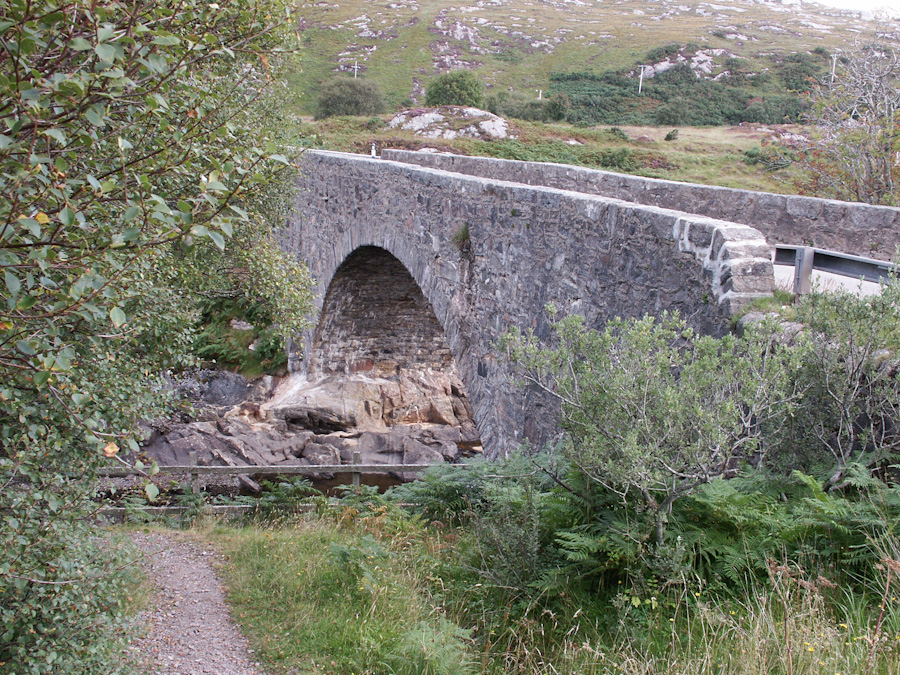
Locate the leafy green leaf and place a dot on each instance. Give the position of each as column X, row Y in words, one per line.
column 67, row 216
column 151, row 491
column 13, row 285
column 79, row 44
column 58, row 135
column 117, row 316
column 81, row 399
column 218, row 239
column 25, row 347
column 105, row 52
column 166, row 40
column 94, row 116
column 105, row 33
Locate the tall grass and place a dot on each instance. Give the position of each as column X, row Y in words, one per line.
column 320, row 596
column 375, row 591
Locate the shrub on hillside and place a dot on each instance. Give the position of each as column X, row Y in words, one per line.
column 556, row 107
column 677, row 97
column 521, row 107
column 345, row 96
column 458, row 87
column 514, row 105
column 799, row 72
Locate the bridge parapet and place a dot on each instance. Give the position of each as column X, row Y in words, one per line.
column 861, row 229
column 489, row 254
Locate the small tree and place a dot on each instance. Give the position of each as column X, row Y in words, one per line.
column 855, row 144
column 847, row 373
column 346, row 96
column 458, row 87
column 137, row 139
column 652, row 410
column 557, row 107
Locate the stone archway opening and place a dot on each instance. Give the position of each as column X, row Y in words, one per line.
column 375, row 319
column 381, row 378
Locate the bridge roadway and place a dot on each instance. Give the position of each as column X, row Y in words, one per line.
column 419, row 267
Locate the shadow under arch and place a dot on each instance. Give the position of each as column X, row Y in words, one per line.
column 377, row 322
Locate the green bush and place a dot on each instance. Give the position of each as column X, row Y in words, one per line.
column 556, row 107
column 798, row 72
column 558, row 151
column 514, row 105
column 217, row 341
column 848, row 410
column 446, row 493
column 458, row 87
column 431, row 648
column 777, row 451
column 130, row 157
column 660, row 53
column 349, row 96
column 651, row 408
column 678, row 97
column 518, row 106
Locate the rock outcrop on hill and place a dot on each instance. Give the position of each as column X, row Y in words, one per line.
column 452, row 121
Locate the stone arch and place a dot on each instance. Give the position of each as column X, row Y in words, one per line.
column 526, row 246
column 376, row 319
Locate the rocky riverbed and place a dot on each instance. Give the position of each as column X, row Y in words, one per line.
column 411, row 417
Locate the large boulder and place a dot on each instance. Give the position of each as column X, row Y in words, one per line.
column 359, row 401
column 452, row 121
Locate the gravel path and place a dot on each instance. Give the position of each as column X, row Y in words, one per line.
column 189, row 626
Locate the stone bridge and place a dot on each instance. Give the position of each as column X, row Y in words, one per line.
column 423, row 261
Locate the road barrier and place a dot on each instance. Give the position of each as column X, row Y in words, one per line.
column 805, row 259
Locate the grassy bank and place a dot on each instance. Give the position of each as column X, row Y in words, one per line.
column 378, row 592
column 727, row 156
column 352, row 596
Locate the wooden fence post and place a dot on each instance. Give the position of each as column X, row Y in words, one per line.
column 356, row 474
column 195, row 477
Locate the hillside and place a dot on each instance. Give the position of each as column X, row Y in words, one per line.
column 515, row 45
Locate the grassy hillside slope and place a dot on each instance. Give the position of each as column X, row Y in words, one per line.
column 514, row 45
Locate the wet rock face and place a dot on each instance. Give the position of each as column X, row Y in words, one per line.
column 413, row 417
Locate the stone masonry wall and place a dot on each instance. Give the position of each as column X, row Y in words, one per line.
column 526, row 246
column 375, row 319
column 862, row 229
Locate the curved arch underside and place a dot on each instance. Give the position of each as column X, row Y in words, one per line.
column 376, row 319
column 377, row 324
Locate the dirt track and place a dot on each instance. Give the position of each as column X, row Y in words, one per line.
column 189, row 626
